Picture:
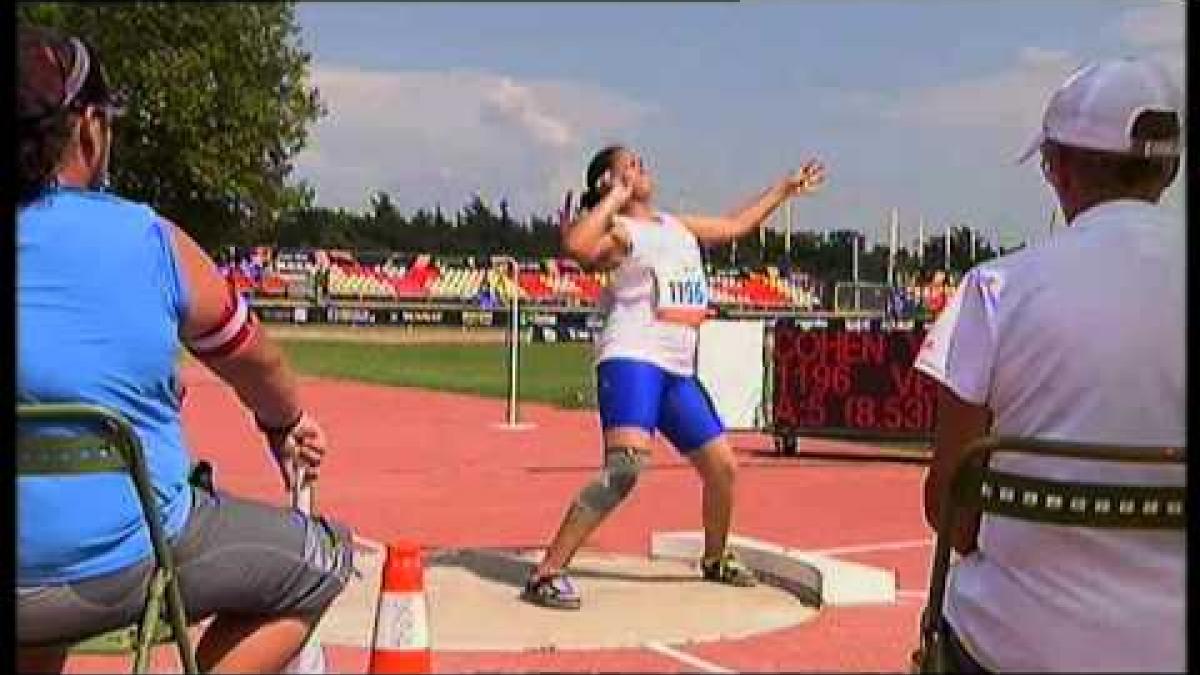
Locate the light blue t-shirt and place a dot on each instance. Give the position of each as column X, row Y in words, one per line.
column 100, row 299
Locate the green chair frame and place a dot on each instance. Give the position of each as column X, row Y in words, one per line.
column 975, row 485
column 112, row 447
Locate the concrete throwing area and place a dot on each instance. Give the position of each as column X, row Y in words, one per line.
column 629, row 600
column 817, row 579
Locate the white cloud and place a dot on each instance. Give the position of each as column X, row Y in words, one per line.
column 1156, row 32
column 1009, row 98
column 1007, row 103
column 1159, row 25
column 516, row 104
column 974, row 127
column 439, row 136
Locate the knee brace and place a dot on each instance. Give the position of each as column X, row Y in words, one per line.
column 616, row 480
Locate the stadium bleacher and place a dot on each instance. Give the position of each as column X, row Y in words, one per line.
column 399, row 277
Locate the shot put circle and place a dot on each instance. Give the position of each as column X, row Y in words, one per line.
column 628, row 601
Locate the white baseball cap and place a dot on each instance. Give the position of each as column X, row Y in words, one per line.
column 1098, row 106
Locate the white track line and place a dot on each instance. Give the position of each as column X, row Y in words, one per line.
column 520, row 426
column 684, row 657
column 868, row 548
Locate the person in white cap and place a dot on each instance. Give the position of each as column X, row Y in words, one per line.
column 1081, row 339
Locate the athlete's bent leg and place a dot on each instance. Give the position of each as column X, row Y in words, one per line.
column 626, row 452
column 717, row 467
column 690, row 421
column 630, row 393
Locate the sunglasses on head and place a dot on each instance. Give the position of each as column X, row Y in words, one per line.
column 86, row 85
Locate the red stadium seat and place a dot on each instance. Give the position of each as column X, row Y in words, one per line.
column 532, row 284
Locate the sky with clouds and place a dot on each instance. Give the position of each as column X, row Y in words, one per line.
column 920, row 105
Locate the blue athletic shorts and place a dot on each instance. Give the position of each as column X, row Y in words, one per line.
column 635, row 393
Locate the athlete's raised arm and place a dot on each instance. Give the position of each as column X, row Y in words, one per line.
column 593, row 238
column 720, row 229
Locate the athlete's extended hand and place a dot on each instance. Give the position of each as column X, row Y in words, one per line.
column 808, row 178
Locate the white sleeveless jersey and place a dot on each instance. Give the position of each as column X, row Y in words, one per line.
column 656, row 298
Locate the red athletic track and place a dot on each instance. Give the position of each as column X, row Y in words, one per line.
column 435, row 468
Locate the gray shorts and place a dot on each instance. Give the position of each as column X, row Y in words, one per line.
column 235, row 556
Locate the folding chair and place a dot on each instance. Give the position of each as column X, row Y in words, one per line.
column 110, row 445
column 1094, row 505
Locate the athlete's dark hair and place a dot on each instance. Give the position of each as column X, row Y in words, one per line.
column 602, row 161
column 56, row 77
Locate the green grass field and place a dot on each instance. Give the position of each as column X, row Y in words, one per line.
column 559, row 374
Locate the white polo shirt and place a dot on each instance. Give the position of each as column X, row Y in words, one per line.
column 1079, row 339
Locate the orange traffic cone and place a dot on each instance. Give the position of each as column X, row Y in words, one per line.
column 401, row 642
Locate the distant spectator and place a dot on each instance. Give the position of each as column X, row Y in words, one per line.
column 320, row 280
column 485, row 297
column 894, row 309
column 256, row 269
column 935, row 294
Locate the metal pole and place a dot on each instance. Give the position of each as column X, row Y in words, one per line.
column 921, row 240
column 787, row 231
column 946, row 256
column 514, row 341
column 854, row 249
column 894, row 234
column 854, row 259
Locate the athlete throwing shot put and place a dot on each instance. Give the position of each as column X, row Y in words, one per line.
column 653, row 306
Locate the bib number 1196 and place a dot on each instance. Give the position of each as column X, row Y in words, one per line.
column 682, row 296
column 687, row 293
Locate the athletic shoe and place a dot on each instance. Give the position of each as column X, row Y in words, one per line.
column 554, row 591
column 728, row 570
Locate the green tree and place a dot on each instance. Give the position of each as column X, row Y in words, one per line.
column 218, row 105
